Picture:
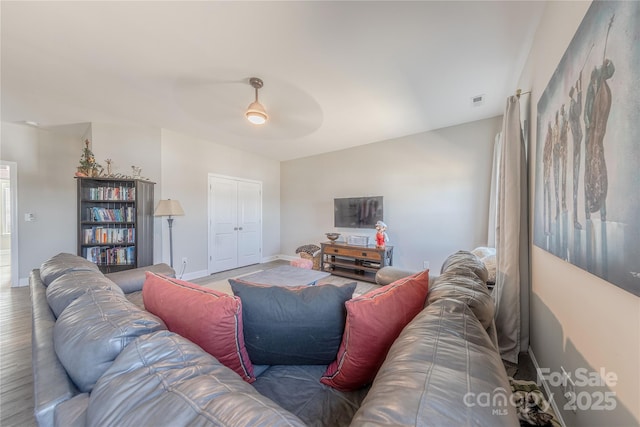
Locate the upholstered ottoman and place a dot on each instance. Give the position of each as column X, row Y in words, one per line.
column 302, row 263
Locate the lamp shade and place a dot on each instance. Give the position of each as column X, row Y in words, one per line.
column 168, row 208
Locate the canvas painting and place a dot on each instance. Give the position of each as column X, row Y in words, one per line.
column 587, row 188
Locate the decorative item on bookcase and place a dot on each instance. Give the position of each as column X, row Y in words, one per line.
column 88, row 165
column 137, row 170
column 108, row 162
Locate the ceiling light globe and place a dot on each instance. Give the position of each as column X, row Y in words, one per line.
column 256, row 113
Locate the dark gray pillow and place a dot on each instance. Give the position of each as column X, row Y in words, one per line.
column 292, row 325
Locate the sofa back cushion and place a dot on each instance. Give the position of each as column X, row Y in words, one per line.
column 67, row 288
column 464, row 278
column 445, row 363
column 374, row 321
column 465, row 260
column 162, row 379
column 468, row 289
column 299, row 325
column 209, row 318
column 91, row 332
column 62, row 263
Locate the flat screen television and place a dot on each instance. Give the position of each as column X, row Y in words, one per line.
column 357, row 212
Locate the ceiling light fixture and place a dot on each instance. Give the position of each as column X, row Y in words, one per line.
column 256, row 113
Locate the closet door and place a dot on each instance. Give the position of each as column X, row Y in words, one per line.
column 235, row 218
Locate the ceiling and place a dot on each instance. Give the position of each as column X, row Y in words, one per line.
column 336, row 74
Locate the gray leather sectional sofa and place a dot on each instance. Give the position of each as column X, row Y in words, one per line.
column 101, row 360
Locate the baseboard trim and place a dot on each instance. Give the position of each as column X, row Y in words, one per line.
column 277, row 257
column 547, row 390
column 193, row 275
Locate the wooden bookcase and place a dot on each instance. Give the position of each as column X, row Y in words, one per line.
column 115, row 222
column 356, row 262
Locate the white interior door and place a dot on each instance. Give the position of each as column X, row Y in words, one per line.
column 235, row 218
column 223, row 236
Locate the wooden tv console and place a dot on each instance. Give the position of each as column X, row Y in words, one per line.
column 356, row 262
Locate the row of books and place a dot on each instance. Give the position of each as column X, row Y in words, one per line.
column 111, row 256
column 107, row 235
column 112, row 193
column 123, row 214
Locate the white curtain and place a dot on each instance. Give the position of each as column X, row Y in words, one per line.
column 493, row 197
column 511, row 291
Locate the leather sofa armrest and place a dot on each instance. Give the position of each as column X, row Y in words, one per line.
column 132, row 280
column 390, row 274
column 51, row 384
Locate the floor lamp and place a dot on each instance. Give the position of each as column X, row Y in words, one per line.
column 169, row 208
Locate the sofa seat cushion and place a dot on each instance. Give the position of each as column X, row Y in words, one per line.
column 300, row 325
column 374, row 321
column 298, row 389
column 440, row 371
column 63, row 263
column 93, row 330
column 209, row 318
column 72, row 412
column 164, row 379
column 68, row 287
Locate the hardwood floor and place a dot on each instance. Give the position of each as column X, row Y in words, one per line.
column 16, row 377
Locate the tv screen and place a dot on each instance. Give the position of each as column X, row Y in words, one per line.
column 357, row 212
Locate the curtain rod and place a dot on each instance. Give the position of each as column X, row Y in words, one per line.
column 520, row 92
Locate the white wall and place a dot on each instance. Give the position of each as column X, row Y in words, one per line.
column 435, row 187
column 186, row 162
column 131, row 145
column 46, row 161
column 578, row 320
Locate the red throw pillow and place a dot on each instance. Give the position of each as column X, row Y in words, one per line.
column 210, row 319
column 374, row 321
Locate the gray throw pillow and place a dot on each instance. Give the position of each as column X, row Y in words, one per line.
column 292, row 325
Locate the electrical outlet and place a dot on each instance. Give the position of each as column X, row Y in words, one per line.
column 425, row 265
column 184, row 260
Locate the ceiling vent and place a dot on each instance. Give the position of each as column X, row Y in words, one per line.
column 477, row 100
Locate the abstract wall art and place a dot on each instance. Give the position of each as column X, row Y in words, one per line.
column 587, row 178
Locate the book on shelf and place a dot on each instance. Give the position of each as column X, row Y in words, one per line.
column 108, row 235
column 123, row 214
column 116, row 193
column 111, row 256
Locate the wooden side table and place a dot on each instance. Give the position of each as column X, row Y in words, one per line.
column 355, row 262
